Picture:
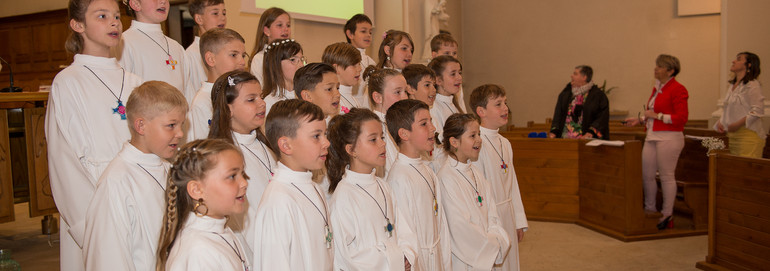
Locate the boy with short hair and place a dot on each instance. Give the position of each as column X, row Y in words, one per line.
column 415, row 185
column 346, row 61
column 207, row 14
column 223, row 50
column 293, row 231
column 496, row 161
column 421, row 85
column 317, row 83
column 124, row 218
column 358, row 32
column 145, row 51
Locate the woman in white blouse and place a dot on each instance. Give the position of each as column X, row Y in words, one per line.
column 744, row 108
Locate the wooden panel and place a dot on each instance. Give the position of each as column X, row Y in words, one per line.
column 6, row 182
column 547, row 171
column 611, row 193
column 41, row 199
column 739, row 209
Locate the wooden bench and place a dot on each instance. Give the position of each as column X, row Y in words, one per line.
column 611, row 193
column 547, row 171
column 739, row 208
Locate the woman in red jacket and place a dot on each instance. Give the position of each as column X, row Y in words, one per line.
column 664, row 116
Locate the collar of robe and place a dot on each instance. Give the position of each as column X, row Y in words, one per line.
column 360, row 178
column 245, row 139
column 464, row 167
column 488, row 132
column 284, row 174
column 96, row 62
column 147, row 28
column 409, row 160
column 134, row 155
column 205, row 223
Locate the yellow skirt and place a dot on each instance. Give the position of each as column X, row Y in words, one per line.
column 745, row 142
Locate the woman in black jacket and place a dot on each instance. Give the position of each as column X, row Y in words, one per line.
column 582, row 110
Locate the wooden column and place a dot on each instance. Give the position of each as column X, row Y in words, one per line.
column 6, row 181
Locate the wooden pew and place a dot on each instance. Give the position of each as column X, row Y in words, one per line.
column 739, row 208
column 611, row 193
column 547, row 171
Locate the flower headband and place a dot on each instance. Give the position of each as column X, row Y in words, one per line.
column 276, row 43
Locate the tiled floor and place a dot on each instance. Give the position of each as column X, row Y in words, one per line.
column 546, row 246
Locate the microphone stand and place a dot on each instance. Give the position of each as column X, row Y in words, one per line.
column 10, row 72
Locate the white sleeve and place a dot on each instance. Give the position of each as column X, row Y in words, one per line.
column 272, row 245
column 110, row 222
column 757, row 103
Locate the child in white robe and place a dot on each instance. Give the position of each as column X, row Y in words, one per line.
column 147, row 52
column 496, row 162
column 478, row 239
column 274, row 24
column 239, row 120
column 293, row 230
column 386, row 87
column 124, row 218
column 449, row 80
column 445, row 44
column 206, row 185
column 414, row 184
column 370, row 232
column 207, row 14
column 421, row 85
column 347, row 64
column 317, row 83
column 395, row 50
column 358, row 32
column 282, row 59
column 85, row 122
column 223, row 51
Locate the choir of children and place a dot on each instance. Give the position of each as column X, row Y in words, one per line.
column 243, row 194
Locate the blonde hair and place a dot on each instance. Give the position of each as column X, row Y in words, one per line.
column 151, row 99
column 193, row 161
column 342, row 54
column 669, row 62
column 266, row 20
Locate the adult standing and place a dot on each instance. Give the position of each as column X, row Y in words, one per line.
column 744, row 108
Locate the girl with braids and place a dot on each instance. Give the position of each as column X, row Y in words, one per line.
column 206, row 185
column 282, row 59
column 386, row 87
column 477, row 238
column 363, row 213
column 396, row 50
column 274, row 24
column 449, row 80
column 239, row 114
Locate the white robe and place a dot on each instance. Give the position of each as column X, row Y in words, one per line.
column 391, row 149
column 83, row 136
column 125, row 217
column 506, row 188
column 291, row 232
column 196, row 71
column 144, row 56
column 415, row 187
column 201, row 111
column 256, row 65
column 440, row 112
column 259, row 161
column 348, row 100
column 205, row 243
column 271, row 99
column 478, row 239
column 362, row 93
column 360, row 239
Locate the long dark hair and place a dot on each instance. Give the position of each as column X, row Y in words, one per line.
column 392, row 38
column 222, row 95
column 272, row 74
column 752, row 68
column 266, row 19
column 193, row 161
column 344, row 130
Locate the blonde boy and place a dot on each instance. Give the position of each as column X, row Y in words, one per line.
column 347, row 63
column 207, row 14
column 293, row 231
column 317, row 83
column 145, row 51
column 414, row 184
column 358, row 32
column 124, row 218
column 496, row 161
column 223, row 50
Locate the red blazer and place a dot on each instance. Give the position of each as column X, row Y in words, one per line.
column 672, row 101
